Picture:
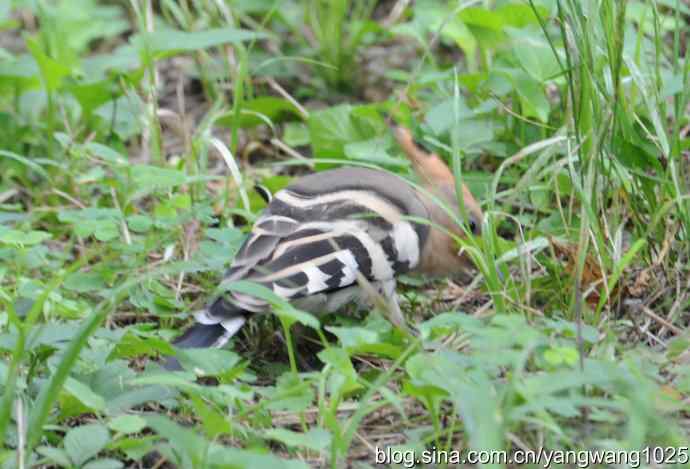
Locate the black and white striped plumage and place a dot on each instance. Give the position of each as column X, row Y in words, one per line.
column 317, row 237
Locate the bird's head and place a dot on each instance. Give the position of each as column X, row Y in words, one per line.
column 443, row 257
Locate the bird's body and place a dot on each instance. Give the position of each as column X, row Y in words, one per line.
column 324, row 235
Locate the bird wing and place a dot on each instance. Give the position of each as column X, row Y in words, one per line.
column 317, row 235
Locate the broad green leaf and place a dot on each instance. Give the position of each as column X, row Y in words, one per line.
column 330, row 130
column 100, row 67
column 124, row 114
column 260, row 110
column 374, row 151
column 52, row 71
column 316, row 439
column 441, row 116
column 135, row 396
column 154, row 177
column 104, row 463
column 127, row 424
column 84, row 442
column 25, row 161
column 343, row 378
column 232, row 458
column 93, row 94
column 296, row 134
column 168, row 41
column 364, row 340
column 185, row 442
column 22, row 238
column 84, row 282
column 208, row 362
column 105, row 153
column 561, row 355
column 520, row 15
column 214, row 421
column 486, row 25
column 140, row 223
column 103, row 223
column 471, row 391
column 352, row 337
column 56, row 455
column 532, row 96
column 480, row 16
column 534, row 53
column 85, row 394
column 445, row 323
column 291, row 392
column 471, row 133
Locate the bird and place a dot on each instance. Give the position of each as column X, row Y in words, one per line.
column 343, row 236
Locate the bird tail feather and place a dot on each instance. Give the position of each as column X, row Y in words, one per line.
column 200, row 336
column 204, row 334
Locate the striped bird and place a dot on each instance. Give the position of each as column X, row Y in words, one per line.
column 325, row 237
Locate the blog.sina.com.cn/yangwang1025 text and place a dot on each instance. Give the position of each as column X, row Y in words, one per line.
column 657, row 455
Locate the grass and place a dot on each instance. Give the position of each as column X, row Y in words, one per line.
column 132, row 134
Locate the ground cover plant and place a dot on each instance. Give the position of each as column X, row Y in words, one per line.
column 132, row 134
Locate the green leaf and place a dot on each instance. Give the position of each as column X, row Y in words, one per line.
column 316, row 439
column 232, row 458
column 353, row 337
column 441, row 116
column 153, row 177
column 139, row 223
column 21, row 238
column 85, row 394
column 208, row 362
column 279, row 305
column 124, row 115
column 133, row 397
column 185, row 442
column 445, row 323
column 330, row 130
column 213, row 421
column 532, row 96
column 296, row 134
column 260, row 110
column 127, row 424
column 169, row 42
column 486, row 25
column 365, row 340
column 25, row 161
column 374, row 151
column 534, row 54
column 344, row 378
column 101, row 222
column 479, row 16
column 105, row 153
column 83, row 282
column 561, row 355
column 85, row 442
column 520, row 15
column 471, row 133
column 52, row 71
column 104, row 463
column 291, row 393
column 56, row 455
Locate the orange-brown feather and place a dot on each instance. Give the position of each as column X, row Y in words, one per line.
column 440, row 254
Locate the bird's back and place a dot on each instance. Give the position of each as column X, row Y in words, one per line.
column 318, row 233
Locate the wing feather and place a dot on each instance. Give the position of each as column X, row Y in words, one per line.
column 308, row 243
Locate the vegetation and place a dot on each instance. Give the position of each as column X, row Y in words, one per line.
column 132, row 133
